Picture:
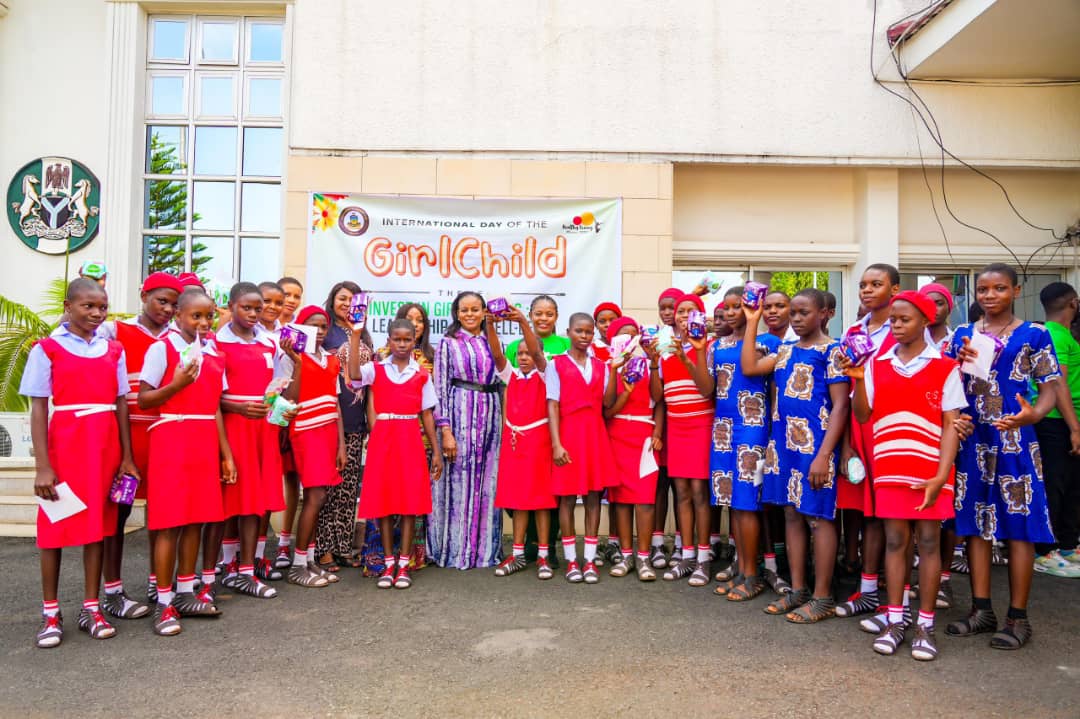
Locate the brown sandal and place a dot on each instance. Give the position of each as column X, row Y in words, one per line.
column 788, row 602
column 814, row 611
column 746, row 590
column 724, row 588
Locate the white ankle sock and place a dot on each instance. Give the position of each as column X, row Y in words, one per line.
column 688, row 551
column 770, row 562
column 50, row 609
column 116, row 587
column 542, row 550
column 907, row 596
column 590, row 548
column 519, row 550
column 185, row 583
column 678, row 541
column 229, row 550
column 299, row 558
column 657, row 539
column 284, row 539
column 260, row 548
column 569, row 548
column 703, row 553
column 868, row 583
column 926, row 620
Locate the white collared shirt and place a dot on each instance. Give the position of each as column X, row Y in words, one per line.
column 509, row 371
column 428, row 399
column 156, row 360
column 37, row 376
column 952, row 395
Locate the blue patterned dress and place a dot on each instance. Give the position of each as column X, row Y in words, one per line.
column 465, row 528
column 740, row 427
column 999, row 480
column 800, row 418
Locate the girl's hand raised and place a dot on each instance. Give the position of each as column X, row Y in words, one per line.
column 287, row 347
column 966, row 353
column 516, row 315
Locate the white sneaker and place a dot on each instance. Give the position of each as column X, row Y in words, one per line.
column 1056, row 565
column 1072, row 557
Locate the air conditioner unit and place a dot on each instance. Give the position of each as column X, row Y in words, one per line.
column 15, row 435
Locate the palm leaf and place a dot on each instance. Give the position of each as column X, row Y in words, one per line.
column 20, row 328
column 52, row 300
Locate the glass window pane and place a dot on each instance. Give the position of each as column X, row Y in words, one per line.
column 215, row 150
column 265, row 42
column 169, row 40
column 212, row 258
column 216, row 96
column 165, row 149
column 218, row 42
column 260, row 258
column 163, row 253
column 262, row 151
column 260, row 208
column 167, row 95
column 214, row 207
column 264, row 96
column 165, row 205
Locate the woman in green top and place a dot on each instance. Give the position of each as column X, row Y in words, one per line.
column 544, row 315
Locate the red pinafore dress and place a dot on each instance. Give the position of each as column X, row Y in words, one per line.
column 249, row 368
column 396, row 477
column 582, row 431
column 136, row 342
column 689, row 421
column 314, row 432
column 908, row 421
column 84, row 443
column 860, row 497
column 524, row 480
column 629, row 430
column 185, row 458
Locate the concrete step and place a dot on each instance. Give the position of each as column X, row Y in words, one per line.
column 21, row 484
column 19, row 511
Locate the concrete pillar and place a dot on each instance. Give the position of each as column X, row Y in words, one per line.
column 877, row 227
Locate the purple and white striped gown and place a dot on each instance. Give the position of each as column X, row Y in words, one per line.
column 465, row 528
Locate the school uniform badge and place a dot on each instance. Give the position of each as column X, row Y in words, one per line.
column 53, row 205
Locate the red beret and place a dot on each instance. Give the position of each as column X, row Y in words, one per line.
column 161, row 280
column 609, row 306
column 308, row 312
column 686, row 297
column 618, row 324
column 189, row 279
column 671, row 293
column 941, row 290
column 922, row 303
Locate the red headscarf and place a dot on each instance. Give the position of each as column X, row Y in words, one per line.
column 687, row 297
column 609, row 306
column 618, row 324
column 922, row 302
column 161, row 280
column 941, row 290
column 308, row 312
column 671, row 293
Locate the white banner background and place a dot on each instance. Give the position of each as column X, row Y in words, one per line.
column 427, row 250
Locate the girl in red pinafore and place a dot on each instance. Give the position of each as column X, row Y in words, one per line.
column 687, row 387
column 584, row 465
column 912, row 397
column 183, row 376
column 317, row 437
column 82, row 446
column 665, row 311
column 160, row 292
column 524, row 481
column 398, row 478
column 635, row 426
column 251, row 363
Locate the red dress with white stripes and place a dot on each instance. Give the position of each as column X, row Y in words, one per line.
column 185, row 459
column 249, row 368
column 84, row 451
column 314, row 432
column 907, row 423
column 136, row 342
column 689, row 420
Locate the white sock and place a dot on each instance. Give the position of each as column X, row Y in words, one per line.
column 403, row 561
column 116, row 587
column 284, row 539
column 907, row 596
column 678, row 541
column 209, row 577
column 714, row 538
column 519, row 550
column 50, row 609
column 643, row 556
column 229, row 550
column 165, row 596
column 542, row 551
column 868, row 584
column 260, row 548
column 299, row 558
column 926, row 620
column 688, row 552
column 896, row 615
column 770, row 562
column 590, row 548
column 569, row 548
column 657, row 539
column 248, row 570
column 185, row 583
column 703, row 551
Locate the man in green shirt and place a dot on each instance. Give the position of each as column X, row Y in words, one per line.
column 1059, row 437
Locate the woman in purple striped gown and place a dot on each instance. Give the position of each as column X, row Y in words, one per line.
column 465, row 528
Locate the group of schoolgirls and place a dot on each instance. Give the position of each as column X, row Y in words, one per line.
column 163, row 402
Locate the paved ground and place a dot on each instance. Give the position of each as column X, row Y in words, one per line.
column 467, row 644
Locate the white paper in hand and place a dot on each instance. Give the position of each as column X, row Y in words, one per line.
column 984, row 347
column 66, row 504
column 648, row 464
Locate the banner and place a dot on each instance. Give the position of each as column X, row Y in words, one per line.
column 427, row 250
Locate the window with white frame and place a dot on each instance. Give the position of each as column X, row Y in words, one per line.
column 214, row 146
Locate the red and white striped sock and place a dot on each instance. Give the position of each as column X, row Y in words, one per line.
column 770, row 561
column 926, row 620
column 542, row 551
column 229, row 549
column 703, row 553
column 657, row 539
column 590, row 549
column 247, row 570
column 284, row 539
column 868, row 583
column 164, row 595
column 299, row 558
column 185, row 583
column 91, row 605
column 208, row 577
column 50, row 608
column 116, row 587
column 946, row 576
column 896, row 614
column 569, row 548
column 260, row 547
column 519, row 550
column 643, row 556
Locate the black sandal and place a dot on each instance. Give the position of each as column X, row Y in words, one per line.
column 788, row 602
column 746, row 590
column 352, row 561
column 725, row 587
column 1013, row 635
column 979, row 621
column 814, row 611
